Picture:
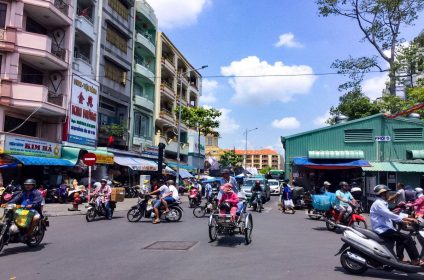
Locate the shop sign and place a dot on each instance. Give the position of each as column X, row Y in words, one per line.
column 383, row 138
column 17, row 145
column 149, row 151
column 83, row 115
column 104, row 159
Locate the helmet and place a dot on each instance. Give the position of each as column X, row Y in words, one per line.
column 419, row 190
column 379, row 189
column 30, row 182
column 97, row 184
column 225, row 206
column 343, row 183
column 257, row 182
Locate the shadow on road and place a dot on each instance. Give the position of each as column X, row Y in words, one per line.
column 229, row 241
column 381, row 274
column 320, row 229
column 22, row 249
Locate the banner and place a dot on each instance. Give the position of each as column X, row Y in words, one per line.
column 21, row 145
column 193, row 143
column 83, row 112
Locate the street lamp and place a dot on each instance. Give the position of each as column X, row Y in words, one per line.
column 245, row 147
column 180, row 77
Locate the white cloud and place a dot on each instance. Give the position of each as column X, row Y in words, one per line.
column 286, row 123
column 287, row 40
column 321, row 120
column 373, row 87
column 177, row 13
column 268, row 85
column 208, row 91
column 227, row 124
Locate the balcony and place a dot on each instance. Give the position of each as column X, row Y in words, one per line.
column 167, row 115
column 144, row 8
column 167, row 63
column 86, row 25
column 39, row 50
column 145, row 41
column 82, row 64
column 172, row 145
column 144, row 102
column 29, row 96
column 50, row 12
column 167, row 90
column 143, row 72
column 7, row 39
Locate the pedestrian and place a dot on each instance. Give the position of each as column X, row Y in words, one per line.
column 287, row 198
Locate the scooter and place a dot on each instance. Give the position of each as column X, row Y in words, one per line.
column 257, row 202
column 193, row 198
column 364, row 249
column 354, row 218
column 95, row 210
column 6, row 194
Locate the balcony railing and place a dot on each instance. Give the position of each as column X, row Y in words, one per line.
column 54, row 98
column 2, row 34
column 59, row 52
column 62, row 6
column 82, row 57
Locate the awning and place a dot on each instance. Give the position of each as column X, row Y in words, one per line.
column 185, row 174
column 169, row 171
column 388, row 166
column 182, row 165
column 72, row 154
column 330, row 164
column 138, row 164
column 30, row 160
column 417, row 154
column 336, row 154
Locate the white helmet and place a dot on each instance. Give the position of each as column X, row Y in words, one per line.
column 419, row 191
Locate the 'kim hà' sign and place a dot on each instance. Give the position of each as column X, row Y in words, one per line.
column 83, row 115
column 16, row 145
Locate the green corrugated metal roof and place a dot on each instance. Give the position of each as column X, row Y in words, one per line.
column 387, row 166
column 417, row 154
column 336, row 154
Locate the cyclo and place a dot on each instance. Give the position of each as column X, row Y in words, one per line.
column 229, row 224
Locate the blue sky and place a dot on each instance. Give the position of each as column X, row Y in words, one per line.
column 266, row 37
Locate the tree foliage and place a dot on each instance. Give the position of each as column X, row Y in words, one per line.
column 204, row 120
column 380, row 22
column 230, row 159
column 265, row 170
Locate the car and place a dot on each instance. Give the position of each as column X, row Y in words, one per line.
column 274, row 186
column 249, row 182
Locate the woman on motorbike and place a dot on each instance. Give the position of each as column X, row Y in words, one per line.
column 419, row 203
column 228, row 201
column 103, row 193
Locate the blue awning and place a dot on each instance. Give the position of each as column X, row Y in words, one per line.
column 30, row 160
column 329, row 164
column 185, row 174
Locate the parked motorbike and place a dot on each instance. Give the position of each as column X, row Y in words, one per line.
column 257, row 202
column 11, row 233
column 62, row 193
column 210, row 207
column 144, row 209
column 354, row 218
column 95, row 210
column 193, row 198
column 9, row 192
column 364, row 249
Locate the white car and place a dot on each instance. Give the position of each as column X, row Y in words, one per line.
column 274, row 186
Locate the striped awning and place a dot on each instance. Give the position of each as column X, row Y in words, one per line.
column 136, row 163
column 417, row 154
column 388, row 166
column 336, row 155
column 31, row 160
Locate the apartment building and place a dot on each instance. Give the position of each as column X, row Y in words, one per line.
column 260, row 159
column 144, row 80
column 169, row 64
column 115, row 56
column 35, row 53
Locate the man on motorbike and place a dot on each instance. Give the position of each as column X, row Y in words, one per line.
column 171, row 196
column 256, row 188
column 163, row 190
column 382, row 223
column 344, row 201
column 30, row 198
column 103, row 193
column 325, row 188
column 399, row 196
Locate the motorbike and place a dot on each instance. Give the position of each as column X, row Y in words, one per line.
column 364, row 249
column 62, row 193
column 257, row 202
column 194, row 198
column 9, row 192
column 354, row 218
column 11, row 233
column 405, row 208
column 95, row 210
column 144, row 209
column 210, row 207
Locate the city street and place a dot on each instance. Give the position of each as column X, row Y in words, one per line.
column 283, row 247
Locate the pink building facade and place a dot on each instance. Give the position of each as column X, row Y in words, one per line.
column 35, row 60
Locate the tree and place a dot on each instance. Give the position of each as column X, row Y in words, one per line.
column 380, row 21
column 230, row 159
column 265, row 170
column 410, row 62
column 204, row 120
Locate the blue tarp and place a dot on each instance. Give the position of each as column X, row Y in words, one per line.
column 30, row 160
column 330, row 163
column 212, row 180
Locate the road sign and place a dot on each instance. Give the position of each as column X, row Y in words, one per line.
column 89, row 159
column 383, row 138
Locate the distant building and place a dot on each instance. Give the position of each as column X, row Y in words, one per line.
column 260, row 159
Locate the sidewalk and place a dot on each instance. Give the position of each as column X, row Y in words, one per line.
column 57, row 209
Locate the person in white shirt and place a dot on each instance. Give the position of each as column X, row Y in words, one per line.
column 171, row 196
column 399, row 196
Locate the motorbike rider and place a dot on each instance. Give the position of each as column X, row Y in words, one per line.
column 170, row 197
column 325, row 188
column 382, row 223
column 399, row 196
column 30, row 198
column 103, row 193
column 344, row 201
column 241, row 205
column 226, row 178
column 256, row 188
column 163, row 190
column 419, row 203
column 228, row 201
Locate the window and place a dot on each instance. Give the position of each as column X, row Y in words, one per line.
column 28, row 128
column 113, row 37
column 358, row 135
column 3, row 11
column 210, row 141
column 115, row 73
column 142, row 125
column 138, row 90
column 120, row 8
column 408, row 134
column 31, row 75
column 34, row 27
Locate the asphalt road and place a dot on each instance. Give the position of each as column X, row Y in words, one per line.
column 283, row 247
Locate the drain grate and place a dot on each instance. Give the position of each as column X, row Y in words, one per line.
column 171, row 245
